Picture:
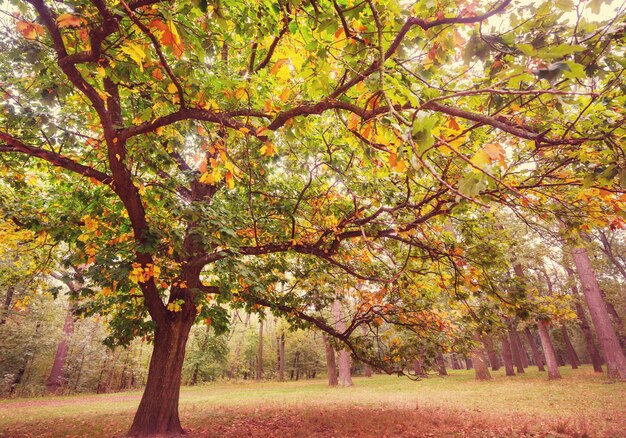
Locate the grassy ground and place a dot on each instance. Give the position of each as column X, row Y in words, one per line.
column 581, row 404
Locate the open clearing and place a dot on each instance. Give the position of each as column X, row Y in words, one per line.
column 581, row 404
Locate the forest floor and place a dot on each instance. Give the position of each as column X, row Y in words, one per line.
column 582, row 404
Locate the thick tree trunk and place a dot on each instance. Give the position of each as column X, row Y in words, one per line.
column 491, row 352
column 515, row 350
column 548, row 349
column 468, row 363
column 343, row 360
column 455, row 362
column 281, row 357
column 6, row 306
column 596, row 360
column 55, row 379
column 417, row 367
column 507, row 356
column 572, row 357
column 521, row 348
column 259, row 369
column 615, row 359
column 534, row 349
column 441, row 364
column 331, row 365
column 367, row 371
column 158, row 410
column 479, row 360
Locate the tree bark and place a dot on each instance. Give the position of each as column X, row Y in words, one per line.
column 535, row 350
column 491, row 352
column 615, row 359
column 441, row 364
column 596, row 360
column 345, row 375
column 515, row 351
column 367, row 370
column 548, row 349
column 6, row 306
column 157, row 413
column 331, row 365
column 55, row 379
column 572, row 357
column 281, row 357
column 479, row 360
column 507, row 356
column 259, row 369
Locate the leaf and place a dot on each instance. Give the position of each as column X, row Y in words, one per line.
column 284, row 96
column 136, row 53
column 168, row 36
column 268, row 149
column 29, row 30
column 69, row 20
column 230, row 181
column 496, row 152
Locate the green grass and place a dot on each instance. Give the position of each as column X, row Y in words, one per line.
column 580, row 404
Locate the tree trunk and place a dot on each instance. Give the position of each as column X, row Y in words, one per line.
column 615, row 359
column 535, row 350
column 468, row 363
column 515, row 351
column 345, row 375
column 417, row 367
column 281, row 357
column 441, row 364
column 367, row 371
column 479, row 360
column 297, row 365
column 455, row 362
column 572, row 357
column 331, row 365
column 491, row 352
column 6, row 306
column 259, row 369
column 521, row 348
column 55, row 379
column 596, row 360
column 507, row 356
column 548, row 349
column 157, row 413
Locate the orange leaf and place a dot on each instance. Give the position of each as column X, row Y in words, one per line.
column 157, row 74
column 168, row 35
column 69, row 20
column 284, row 96
column 30, row 31
column 452, row 124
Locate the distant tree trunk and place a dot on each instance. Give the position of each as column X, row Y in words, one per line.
column 615, row 359
column 418, row 369
column 297, row 365
column 367, row 371
column 521, row 348
column 6, row 306
column 535, row 350
column 196, row 368
column 607, row 249
column 548, row 349
column 507, row 356
column 468, row 363
column 55, row 379
column 455, row 362
column 345, row 375
column 515, row 350
column 281, row 357
column 596, row 360
column 331, row 365
column 572, row 357
column 259, row 369
column 479, row 359
column 235, row 362
column 441, row 364
column 491, row 352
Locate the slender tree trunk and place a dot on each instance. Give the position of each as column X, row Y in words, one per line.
column 6, row 306
column 455, row 362
column 297, row 365
column 491, row 352
column 235, row 362
column 572, row 357
column 515, row 351
column 521, row 348
column 259, row 370
column 367, row 371
column 534, row 349
column 331, row 365
column 345, row 375
column 281, row 357
column 55, row 379
column 615, row 359
column 468, row 363
column 479, row 360
column 441, row 364
column 596, row 360
column 608, row 251
column 507, row 356
column 548, row 349
column 158, row 410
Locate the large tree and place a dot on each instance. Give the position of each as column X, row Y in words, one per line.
column 202, row 153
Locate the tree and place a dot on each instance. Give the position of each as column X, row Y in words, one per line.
column 196, row 156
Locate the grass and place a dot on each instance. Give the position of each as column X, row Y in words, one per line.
column 581, row 404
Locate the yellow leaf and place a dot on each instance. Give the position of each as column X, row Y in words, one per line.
column 284, row 96
column 230, row 181
column 268, row 149
column 137, row 54
column 481, row 158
